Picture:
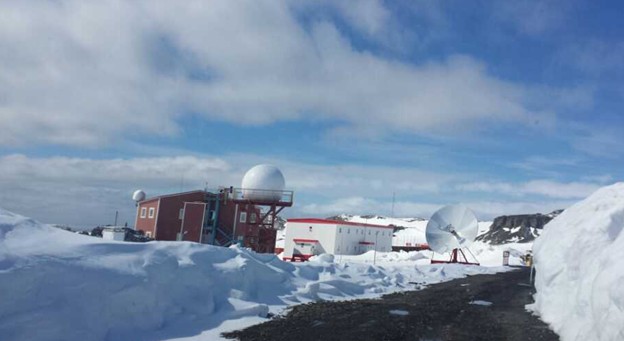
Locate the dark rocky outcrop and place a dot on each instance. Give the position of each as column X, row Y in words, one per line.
column 521, row 228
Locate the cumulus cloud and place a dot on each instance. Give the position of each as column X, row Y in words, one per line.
column 86, row 191
column 83, row 191
column 87, row 73
column 484, row 210
column 546, row 188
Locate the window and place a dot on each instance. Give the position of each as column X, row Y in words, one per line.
column 252, row 218
column 310, row 228
column 151, row 213
column 369, row 232
column 181, row 214
column 340, row 230
column 349, row 231
column 143, row 212
column 243, row 217
column 148, row 234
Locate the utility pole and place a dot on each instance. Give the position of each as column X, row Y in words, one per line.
column 393, row 197
column 375, row 253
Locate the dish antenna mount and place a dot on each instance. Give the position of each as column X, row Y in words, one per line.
column 452, row 229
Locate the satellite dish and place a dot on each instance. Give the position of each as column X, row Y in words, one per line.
column 138, row 195
column 451, row 227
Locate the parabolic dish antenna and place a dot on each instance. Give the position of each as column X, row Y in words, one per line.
column 451, row 227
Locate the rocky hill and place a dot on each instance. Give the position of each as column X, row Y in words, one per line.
column 521, row 228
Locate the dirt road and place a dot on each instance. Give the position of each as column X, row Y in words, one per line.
column 482, row 307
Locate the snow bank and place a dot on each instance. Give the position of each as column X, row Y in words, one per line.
column 58, row 285
column 579, row 259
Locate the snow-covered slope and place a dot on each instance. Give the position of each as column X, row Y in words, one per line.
column 579, row 260
column 57, row 285
column 379, row 220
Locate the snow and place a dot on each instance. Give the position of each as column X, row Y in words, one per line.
column 480, row 302
column 580, row 269
column 58, row 285
column 399, row 312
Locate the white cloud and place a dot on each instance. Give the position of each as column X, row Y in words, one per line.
column 88, row 191
column 87, row 73
column 484, row 210
column 546, row 188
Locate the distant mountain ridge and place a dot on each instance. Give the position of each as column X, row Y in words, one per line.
column 378, row 220
column 522, row 228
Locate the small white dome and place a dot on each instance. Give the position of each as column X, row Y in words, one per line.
column 138, row 195
column 263, row 182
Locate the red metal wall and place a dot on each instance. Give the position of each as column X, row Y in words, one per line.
column 193, row 221
column 147, row 225
column 169, row 222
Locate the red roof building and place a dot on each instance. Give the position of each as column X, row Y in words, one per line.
column 204, row 217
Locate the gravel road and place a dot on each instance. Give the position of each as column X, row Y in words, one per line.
column 481, row 307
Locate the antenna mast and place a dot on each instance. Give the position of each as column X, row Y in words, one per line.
column 393, row 197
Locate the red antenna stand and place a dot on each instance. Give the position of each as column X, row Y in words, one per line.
column 456, row 259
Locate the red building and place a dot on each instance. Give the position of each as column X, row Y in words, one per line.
column 205, row 217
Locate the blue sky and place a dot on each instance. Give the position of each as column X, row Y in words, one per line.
column 509, row 107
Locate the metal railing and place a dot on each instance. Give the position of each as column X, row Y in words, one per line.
column 260, row 195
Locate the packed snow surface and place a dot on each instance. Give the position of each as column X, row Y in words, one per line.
column 481, row 302
column 399, row 312
column 58, row 285
column 579, row 260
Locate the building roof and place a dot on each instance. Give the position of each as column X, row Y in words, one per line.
column 334, row 222
column 171, row 195
column 309, row 241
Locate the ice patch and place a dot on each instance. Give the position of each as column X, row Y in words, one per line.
column 399, row 312
column 480, row 302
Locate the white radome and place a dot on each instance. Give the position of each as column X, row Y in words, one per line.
column 138, row 195
column 263, row 182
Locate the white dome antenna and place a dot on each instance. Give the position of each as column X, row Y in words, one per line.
column 138, row 196
column 263, row 182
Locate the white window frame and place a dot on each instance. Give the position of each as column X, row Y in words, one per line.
column 143, row 212
column 150, row 215
column 242, row 218
column 252, row 218
column 181, row 214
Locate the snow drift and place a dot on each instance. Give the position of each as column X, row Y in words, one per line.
column 579, row 259
column 58, row 285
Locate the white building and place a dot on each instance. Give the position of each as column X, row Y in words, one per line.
column 307, row 237
column 112, row 233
